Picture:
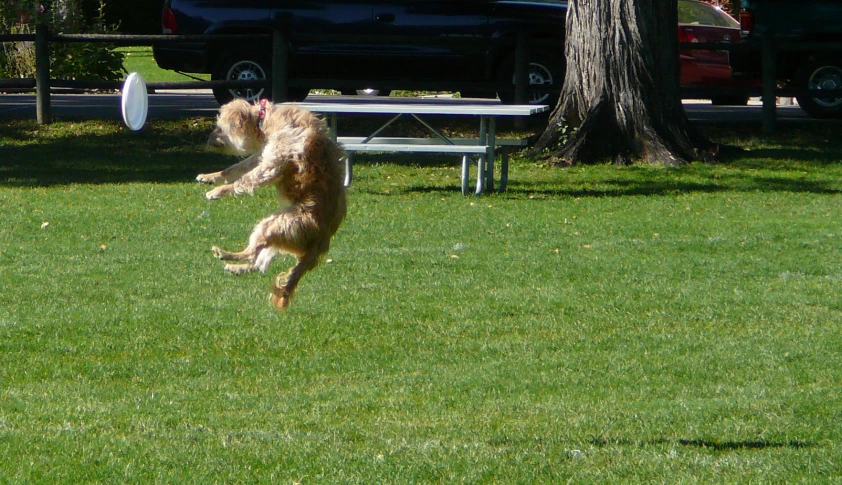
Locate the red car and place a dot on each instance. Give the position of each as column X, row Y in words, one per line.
column 702, row 22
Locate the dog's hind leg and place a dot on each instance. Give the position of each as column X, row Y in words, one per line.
column 238, row 269
column 229, row 256
column 258, row 253
column 285, row 284
column 256, row 262
column 288, row 231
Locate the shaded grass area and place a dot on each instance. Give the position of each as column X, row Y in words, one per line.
column 592, row 324
column 101, row 152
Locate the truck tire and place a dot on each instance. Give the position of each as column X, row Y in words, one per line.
column 543, row 70
column 820, row 75
column 241, row 66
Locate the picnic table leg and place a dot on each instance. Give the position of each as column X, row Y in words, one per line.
column 481, row 173
column 491, row 139
column 483, row 140
column 466, row 173
column 332, row 121
column 349, row 170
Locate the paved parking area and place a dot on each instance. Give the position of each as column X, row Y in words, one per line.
column 180, row 104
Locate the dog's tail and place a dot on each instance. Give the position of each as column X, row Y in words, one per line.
column 286, row 283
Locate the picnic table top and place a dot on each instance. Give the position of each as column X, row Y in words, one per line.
column 432, row 107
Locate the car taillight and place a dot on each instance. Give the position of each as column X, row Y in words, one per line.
column 168, row 22
column 746, row 22
column 684, row 36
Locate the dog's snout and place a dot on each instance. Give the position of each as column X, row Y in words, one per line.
column 216, row 140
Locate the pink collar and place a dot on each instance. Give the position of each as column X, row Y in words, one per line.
column 261, row 115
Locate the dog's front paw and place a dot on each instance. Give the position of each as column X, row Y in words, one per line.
column 218, row 252
column 218, row 192
column 208, row 178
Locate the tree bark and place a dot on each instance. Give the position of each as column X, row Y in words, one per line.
column 621, row 97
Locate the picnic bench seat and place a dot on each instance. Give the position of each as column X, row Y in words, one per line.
column 463, row 146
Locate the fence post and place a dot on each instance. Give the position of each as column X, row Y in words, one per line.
column 770, row 75
column 42, row 74
column 280, row 66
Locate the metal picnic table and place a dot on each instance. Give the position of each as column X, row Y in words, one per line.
column 483, row 147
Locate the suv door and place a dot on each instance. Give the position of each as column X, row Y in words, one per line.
column 444, row 40
column 329, row 38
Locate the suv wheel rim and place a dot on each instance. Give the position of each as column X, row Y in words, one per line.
column 826, row 77
column 246, row 71
column 539, row 75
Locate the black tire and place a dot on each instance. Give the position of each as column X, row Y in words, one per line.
column 820, row 75
column 729, row 101
column 237, row 65
column 543, row 69
column 366, row 92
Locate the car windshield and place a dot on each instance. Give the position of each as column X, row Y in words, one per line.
column 698, row 13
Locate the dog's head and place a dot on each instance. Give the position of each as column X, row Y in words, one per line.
column 237, row 131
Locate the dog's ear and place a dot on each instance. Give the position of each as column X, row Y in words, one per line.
column 243, row 112
column 236, row 112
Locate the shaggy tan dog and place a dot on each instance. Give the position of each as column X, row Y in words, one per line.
column 292, row 149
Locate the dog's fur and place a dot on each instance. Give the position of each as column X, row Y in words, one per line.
column 292, row 149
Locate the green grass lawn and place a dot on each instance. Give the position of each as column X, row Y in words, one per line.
column 139, row 59
column 593, row 324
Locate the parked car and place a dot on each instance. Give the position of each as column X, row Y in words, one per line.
column 814, row 64
column 352, row 45
column 702, row 22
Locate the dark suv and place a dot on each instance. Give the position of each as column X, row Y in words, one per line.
column 456, row 45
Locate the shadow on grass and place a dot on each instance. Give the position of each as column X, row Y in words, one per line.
column 670, row 185
column 793, row 161
column 100, row 152
column 103, row 152
column 744, row 445
column 616, row 188
column 706, row 444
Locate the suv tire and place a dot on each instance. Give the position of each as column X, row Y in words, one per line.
column 820, row 75
column 543, row 70
column 239, row 66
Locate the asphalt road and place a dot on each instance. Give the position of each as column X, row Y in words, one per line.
column 180, row 104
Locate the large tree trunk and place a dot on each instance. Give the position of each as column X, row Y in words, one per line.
column 621, row 94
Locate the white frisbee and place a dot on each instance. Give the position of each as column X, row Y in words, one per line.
column 135, row 101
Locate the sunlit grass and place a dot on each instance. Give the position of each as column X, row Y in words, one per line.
column 139, row 59
column 591, row 324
